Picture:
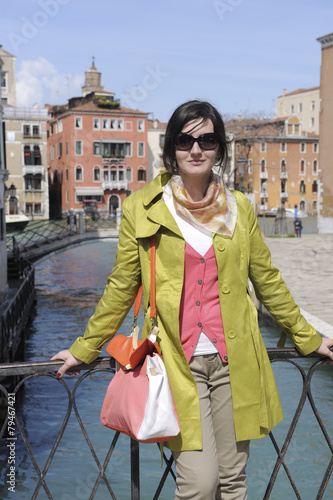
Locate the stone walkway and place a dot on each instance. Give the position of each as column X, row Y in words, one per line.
column 306, row 265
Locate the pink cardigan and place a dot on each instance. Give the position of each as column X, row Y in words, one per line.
column 200, row 304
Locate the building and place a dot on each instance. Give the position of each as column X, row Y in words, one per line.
column 156, row 135
column 97, row 150
column 3, row 179
column 8, row 81
column 276, row 163
column 26, row 160
column 325, row 219
column 305, row 103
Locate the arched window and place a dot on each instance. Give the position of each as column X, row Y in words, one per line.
column 113, row 204
column 315, row 167
column 97, row 174
column 302, row 187
column 27, row 155
column 315, row 186
column 302, row 206
column 263, row 166
column 141, row 175
column 79, row 174
column 283, row 166
column 302, row 167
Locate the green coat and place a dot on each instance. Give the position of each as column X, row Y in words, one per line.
column 241, row 257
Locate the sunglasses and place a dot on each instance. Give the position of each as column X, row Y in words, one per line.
column 184, row 142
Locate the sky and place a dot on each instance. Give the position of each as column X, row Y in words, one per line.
column 156, row 54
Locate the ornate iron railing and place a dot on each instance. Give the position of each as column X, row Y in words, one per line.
column 30, row 370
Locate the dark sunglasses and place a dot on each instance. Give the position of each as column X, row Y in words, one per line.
column 184, row 142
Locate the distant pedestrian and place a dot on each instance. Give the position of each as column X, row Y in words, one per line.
column 298, row 227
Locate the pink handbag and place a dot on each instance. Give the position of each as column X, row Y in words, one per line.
column 139, row 401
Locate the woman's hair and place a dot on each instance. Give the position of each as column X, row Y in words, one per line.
column 188, row 112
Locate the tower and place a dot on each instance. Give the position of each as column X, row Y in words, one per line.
column 92, row 80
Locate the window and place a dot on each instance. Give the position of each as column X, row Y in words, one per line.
column 4, row 80
column 302, row 167
column 128, row 149
column 120, row 175
column 78, row 122
column 141, row 125
column 66, row 174
column 38, row 208
column 302, row 187
column 66, row 196
column 32, row 156
column 105, row 123
column 283, row 166
column 300, row 107
column 67, row 148
column 313, row 105
column 302, row 147
column 315, row 147
column 141, row 148
column 141, row 175
column 51, row 129
column 26, row 130
column 96, row 123
column 283, row 147
column 129, row 174
column 79, row 174
column 120, row 124
column 315, row 186
column 263, row 147
column 249, row 167
column 97, row 148
column 263, row 166
column 51, row 153
column 250, row 148
column 33, row 182
column 112, row 124
column 60, row 127
column 312, row 122
column 292, row 109
column 283, row 186
column 59, row 149
column 78, row 148
column 162, row 140
column 97, row 174
column 237, row 149
column 315, row 167
column 113, row 150
column 113, row 174
column 106, row 175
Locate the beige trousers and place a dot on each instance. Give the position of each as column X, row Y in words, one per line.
column 218, row 470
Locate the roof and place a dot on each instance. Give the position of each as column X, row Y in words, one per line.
column 156, row 125
column 299, row 91
column 5, row 53
column 93, row 108
column 256, row 128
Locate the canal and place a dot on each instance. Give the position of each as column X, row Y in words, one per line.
column 68, row 287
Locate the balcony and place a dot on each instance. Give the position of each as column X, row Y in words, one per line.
column 33, row 169
column 108, row 158
column 284, row 175
column 284, row 196
column 33, row 136
column 263, row 195
column 114, row 185
column 263, row 175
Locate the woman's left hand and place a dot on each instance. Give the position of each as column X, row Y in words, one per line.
column 324, row 348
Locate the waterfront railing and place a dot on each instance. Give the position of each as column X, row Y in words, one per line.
column 29, row 370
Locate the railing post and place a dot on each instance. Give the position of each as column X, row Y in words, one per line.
column 71, row 221
column 135, row 470
column 81, row 222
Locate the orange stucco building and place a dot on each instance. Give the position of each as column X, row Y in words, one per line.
column 281, row 163
column 97, row 151
column 325, row 218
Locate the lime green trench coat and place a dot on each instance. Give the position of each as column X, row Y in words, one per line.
column 243, row 256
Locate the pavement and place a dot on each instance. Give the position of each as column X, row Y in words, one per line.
column 306, row 265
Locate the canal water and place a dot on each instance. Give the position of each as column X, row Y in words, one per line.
column 68, row 287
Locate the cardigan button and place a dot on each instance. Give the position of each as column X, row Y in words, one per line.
column 225, row 289
column 197, row 303
column 231, row 334
column 215, row 341
column 221, row 247
column 202, row 260
column 225, row 358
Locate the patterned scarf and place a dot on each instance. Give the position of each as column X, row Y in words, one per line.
column 216, row 212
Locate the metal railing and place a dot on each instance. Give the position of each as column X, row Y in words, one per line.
column 35, row 369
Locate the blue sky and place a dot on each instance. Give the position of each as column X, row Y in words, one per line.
column 156, row 54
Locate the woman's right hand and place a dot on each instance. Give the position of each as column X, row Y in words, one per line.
column 70, row 361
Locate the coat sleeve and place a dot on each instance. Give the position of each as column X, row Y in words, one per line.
column 272, row 291
column 118, row 297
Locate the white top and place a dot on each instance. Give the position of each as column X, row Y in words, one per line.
column 199, row 239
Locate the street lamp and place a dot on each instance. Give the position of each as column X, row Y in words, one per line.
column 12, row 200
column 241, row 168
column 12, row 191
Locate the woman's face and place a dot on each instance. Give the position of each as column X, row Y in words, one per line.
column 196, row 162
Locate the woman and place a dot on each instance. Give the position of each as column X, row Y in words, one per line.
column 208, row 244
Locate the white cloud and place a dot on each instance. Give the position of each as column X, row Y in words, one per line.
column 39, row 82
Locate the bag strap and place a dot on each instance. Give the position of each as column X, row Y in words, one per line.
column 138, row 298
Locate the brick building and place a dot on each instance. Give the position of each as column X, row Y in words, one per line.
column 97, row 150
column 281, row 163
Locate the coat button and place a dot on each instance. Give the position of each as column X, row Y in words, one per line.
column 221, row 247
column 231, row 334
column 225, row 289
